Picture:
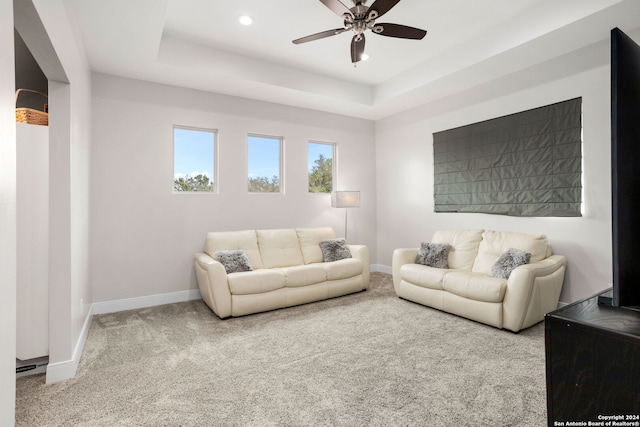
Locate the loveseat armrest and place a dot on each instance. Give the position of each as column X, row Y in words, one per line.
column 401, row 256
column 533, row 290
column 546, row 266
column 361, row 252
column 212, row 280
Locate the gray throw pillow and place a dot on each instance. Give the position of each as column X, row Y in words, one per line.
column 233, row 261
column 508, row 261
column 434, row 255
column 334, row 250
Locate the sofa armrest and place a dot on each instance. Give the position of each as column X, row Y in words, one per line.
column 401, row 256
column 533, row 290
column 212, row 280
column 361, row 252
column 546, row 266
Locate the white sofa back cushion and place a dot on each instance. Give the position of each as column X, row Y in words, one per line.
column 464, row 246
column 279, row 248
column 495, row 243
column 310, row 239
column 245, row 240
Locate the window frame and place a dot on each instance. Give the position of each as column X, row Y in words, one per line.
column 334, row 169
column 215, row 181
column 281, row 141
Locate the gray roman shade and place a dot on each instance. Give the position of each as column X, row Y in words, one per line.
column 524, row 164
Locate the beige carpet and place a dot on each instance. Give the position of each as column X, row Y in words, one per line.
column 369, row 359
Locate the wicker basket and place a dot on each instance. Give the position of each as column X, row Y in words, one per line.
column 29, row 115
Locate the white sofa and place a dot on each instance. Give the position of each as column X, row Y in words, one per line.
column 466, row 288
column 288, row 269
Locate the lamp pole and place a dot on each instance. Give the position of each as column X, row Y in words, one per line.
column 346, row 210
column 345, row 199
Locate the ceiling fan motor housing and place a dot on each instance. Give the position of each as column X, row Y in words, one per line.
column 360, row 18
column 359, row 11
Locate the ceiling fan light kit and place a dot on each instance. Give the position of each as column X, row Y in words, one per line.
column 245, row 20
column 361, row 18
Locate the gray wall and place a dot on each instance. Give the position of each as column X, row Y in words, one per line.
column 144, row 237
column 404, row 146
column 133, row 208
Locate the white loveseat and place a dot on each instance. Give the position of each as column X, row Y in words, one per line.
column 288, row 269
column 466, row 287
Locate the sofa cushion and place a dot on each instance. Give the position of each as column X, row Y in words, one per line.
column 233, row 261
column 256, row 281
column 433, row 255
column 235, row 240
column 510, row 259
column 343, row 269
column 334, row 250
column 279, row 248
column 475, row 286
column 421, row 275
column 495, row 243
column 464, row 246
column 310, row 239
column 303, row 275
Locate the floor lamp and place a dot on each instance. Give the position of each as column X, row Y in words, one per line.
column 345, row 199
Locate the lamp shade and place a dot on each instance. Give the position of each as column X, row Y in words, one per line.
column 345, row 199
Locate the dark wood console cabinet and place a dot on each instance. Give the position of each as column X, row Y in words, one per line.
column 592, row 364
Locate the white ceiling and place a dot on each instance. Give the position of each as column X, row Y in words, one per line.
column 200, row 44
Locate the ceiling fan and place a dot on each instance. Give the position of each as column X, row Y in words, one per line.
column 361, row 18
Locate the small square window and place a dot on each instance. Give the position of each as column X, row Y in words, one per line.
column 194, row 160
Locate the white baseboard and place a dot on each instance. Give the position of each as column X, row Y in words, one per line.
column 60, row 371
column 170, row 298
column 143, row 302
column 381, row 268
column 64, row 370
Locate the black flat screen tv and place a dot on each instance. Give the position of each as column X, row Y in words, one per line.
column 625, row 169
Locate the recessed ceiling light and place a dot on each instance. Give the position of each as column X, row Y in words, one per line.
column 245, row 20
column 364, row 57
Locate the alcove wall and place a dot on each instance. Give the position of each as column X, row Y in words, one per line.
column 29, row 75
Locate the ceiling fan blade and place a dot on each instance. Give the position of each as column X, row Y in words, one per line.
column 321, row 35
column 400, row 31
column 357, row 48
column 382, row 6
column 337, row 6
